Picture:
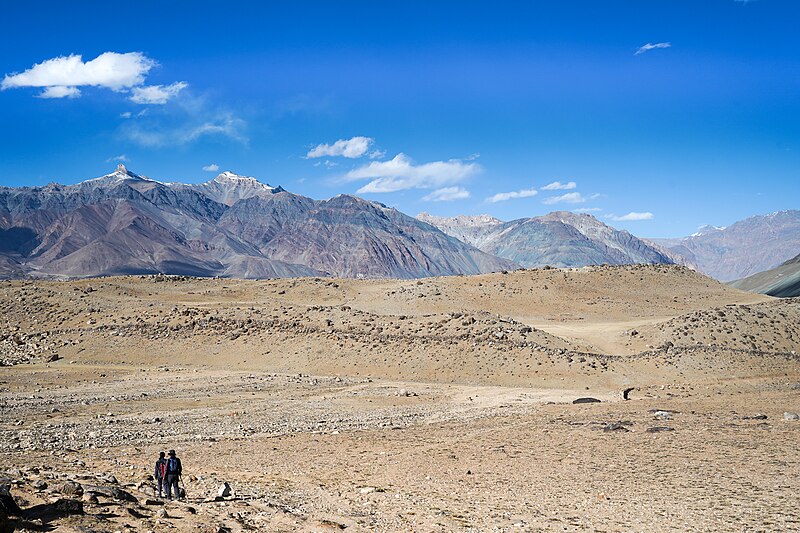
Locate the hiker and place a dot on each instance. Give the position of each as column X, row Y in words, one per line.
column 161, row 473
column 173, row 475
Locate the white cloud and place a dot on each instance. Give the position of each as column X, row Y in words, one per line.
column 632, row 216
column 61, row 76
column 376, row 154
column 120, row 158
column 569, row 198
column 126, row 114
column 401, row 173
column 587, row 210
column 558, row 186
column 503, row 196
column 350, row 148
column 213, row 167
column 650, row 46
column 156, row 94
column 59, row 91
column 446, row 194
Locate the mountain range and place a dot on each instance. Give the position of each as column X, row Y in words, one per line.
column 559, row 239
column 232, row 226
column 237, row 226
column 747, row 247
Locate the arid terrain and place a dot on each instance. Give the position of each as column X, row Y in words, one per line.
column 438, row 404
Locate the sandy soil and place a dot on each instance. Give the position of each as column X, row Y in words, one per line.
column 438, row 405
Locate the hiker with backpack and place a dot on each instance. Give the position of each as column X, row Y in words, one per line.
column 161, row 473
column 173, row 472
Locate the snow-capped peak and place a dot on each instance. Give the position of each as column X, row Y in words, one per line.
column 704, row 230
column 233, row 178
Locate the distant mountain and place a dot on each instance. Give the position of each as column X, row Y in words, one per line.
column 470, row 229
column 560, row 239
column 228, row 188
column 747, row 247
column 234, row 226
column 782, row 281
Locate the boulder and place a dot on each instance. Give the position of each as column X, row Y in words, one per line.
column 791, row 416
column 8, row 507
column 70, row 488
column 68, row 506
column 585, row 400
column 224, row 490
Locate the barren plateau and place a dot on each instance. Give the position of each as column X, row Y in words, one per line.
column 441, row 404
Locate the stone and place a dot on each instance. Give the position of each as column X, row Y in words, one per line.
column 8, row 507
column 662, row 415
column 791, row 416
column 224, row 490
column 658, row 429
column 585, row 400
column 40, row 484
column 70, row 488
column 68, row 506
column 626, row 394
column 615, row 426
column 162, row 513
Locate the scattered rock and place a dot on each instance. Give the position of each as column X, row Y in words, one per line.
column 791, row 416
column 658, row 429
column 662, row 415
column 616, row 426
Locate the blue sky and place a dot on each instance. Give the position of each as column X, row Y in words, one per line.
column 452, row 108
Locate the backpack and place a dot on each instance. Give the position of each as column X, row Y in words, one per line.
column 162, row 469
column 173, row 465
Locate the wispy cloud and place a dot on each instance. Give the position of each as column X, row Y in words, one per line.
column 651, row 46
column 568, row 198
column 122, row 158
column 350, row 148
column 401, row 173
column 633, row 215
column 185, row 127
column 61, row 76
column 503, row 196
column 157, row 94
column 213, row 167
column 557, row 185
column 447, row 194
column 587, row 210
